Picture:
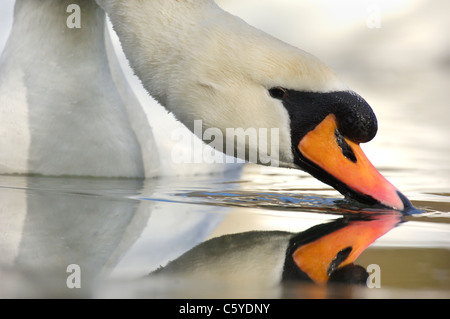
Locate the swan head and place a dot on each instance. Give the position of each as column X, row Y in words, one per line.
column 211, row 66
column 236, row 76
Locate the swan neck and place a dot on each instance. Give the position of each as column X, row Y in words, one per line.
column 156, row 35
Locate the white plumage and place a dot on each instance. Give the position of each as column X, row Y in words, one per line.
column 66, row 109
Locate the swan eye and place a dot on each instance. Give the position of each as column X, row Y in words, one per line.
column 278, row 93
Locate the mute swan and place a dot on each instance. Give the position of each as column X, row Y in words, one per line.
column 201, row 63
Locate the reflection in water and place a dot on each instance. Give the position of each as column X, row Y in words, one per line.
column 118, row 231
column 59, row 227
column 47, row 224
column 322, row 253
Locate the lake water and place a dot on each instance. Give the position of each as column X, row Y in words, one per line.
column 119, row 230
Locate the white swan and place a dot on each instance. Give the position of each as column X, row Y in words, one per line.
column 61, row 113
column 198, row 61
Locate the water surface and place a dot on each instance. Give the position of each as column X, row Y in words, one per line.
column 119, row 230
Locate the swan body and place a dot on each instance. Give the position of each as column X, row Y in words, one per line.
column 61, row 113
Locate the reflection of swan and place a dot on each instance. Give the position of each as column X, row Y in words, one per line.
column 321, row 253
column 202, row 64
column 45, row 227
column 47, row 224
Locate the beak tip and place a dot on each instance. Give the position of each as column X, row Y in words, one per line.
column 408, row 208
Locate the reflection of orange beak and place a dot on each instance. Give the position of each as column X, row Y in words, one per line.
column 346, row 162
column 319, row 258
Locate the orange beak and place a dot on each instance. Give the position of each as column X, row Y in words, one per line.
column 319, row 258
column 345, row 163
